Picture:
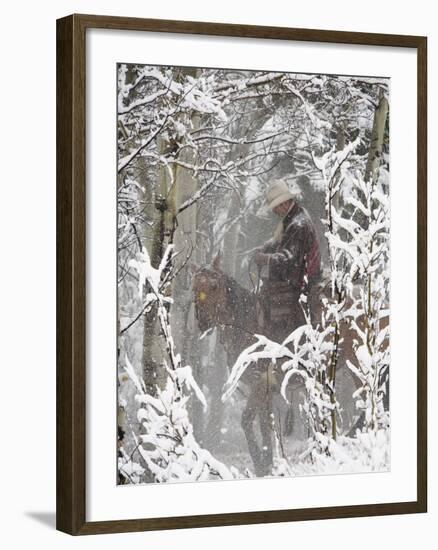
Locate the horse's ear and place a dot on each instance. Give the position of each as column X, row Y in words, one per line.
column 216, row 261
column 194, row 268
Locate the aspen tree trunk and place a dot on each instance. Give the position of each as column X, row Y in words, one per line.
column 153, row 372
column 184, row 224
column 377, row 136
column 184, row 331
column 175, row 185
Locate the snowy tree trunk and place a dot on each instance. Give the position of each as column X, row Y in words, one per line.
column 153, row 372
column 185, row 186
column 377, row 136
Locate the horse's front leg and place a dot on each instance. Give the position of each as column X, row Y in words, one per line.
column 266, row 421
column 248, row 416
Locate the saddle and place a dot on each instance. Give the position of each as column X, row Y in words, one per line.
column 278, row 302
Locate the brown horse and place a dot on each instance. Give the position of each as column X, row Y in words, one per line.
column 222, row 303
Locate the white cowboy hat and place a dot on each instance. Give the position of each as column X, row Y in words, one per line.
column 277, row 193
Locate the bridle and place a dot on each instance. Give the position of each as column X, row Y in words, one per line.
column 207, row 272
column 221, row 279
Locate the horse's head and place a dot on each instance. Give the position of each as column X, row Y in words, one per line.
column 210, row 295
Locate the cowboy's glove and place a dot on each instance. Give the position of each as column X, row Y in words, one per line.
column 261, row 259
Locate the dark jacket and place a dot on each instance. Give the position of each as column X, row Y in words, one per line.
column 296, row 253
column 290, row 258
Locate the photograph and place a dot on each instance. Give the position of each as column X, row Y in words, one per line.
column 253, row 274
column 219, row 276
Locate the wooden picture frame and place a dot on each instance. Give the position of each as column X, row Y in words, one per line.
column 71, row 273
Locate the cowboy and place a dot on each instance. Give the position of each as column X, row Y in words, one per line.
column 289, row 263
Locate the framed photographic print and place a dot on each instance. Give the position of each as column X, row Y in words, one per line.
column 241, row 274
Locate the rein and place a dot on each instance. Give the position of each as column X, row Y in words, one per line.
column 256, row 286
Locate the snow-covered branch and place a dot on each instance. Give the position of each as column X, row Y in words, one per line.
column 167, row 443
